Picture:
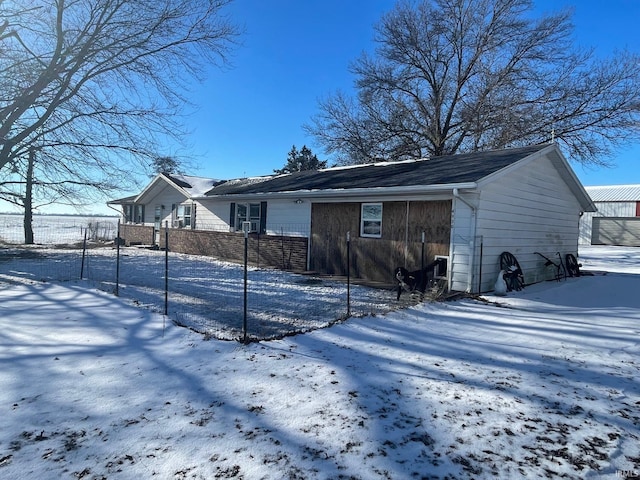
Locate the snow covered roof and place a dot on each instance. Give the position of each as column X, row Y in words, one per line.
column 188, row 185
column 614, row 193
column 194, row 186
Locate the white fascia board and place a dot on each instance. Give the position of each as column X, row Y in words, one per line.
column 380, row 192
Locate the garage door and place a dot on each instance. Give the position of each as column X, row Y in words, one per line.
column 616, row 231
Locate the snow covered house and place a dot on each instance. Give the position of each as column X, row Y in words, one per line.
column 467, row 208
column 617, row 221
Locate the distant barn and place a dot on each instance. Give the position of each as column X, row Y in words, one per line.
column 617, row 221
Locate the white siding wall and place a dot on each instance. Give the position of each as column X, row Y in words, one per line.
column 462, row 237
column 213, row 215
column 286, row 216
column 528, row 210
column 605, row 209
column 283, row 216
column 168, row 197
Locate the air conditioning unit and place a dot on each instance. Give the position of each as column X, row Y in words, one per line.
column 441, row 272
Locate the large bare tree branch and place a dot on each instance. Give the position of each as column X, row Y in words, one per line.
column 88, row 61
column 454, row 76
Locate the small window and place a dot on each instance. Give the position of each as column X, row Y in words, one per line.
column 183, row 216
column 187, row 215
column 254, row 216
column 128, row 213
column 371, row 220
column 249, row 212
column 157, row 217
column 138, row 216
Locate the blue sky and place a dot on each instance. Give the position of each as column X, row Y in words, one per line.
column 296, row 52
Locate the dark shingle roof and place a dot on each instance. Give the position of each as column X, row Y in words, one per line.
column 449, row 169
column 122, row 201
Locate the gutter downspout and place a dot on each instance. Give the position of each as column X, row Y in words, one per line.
column 119, row 212
column 472, row 242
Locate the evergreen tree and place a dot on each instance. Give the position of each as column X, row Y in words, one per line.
column 298, row 161
column 168, row 165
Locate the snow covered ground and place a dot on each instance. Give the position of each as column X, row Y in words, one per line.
column 204, row 294
column 541, row 384
column 57, row 229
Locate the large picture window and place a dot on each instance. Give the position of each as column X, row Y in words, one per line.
column 371, row 220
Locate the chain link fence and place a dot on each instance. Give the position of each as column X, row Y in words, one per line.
column 201, row 293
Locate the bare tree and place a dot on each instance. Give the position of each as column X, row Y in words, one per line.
column 453, row 76
column 97, row 85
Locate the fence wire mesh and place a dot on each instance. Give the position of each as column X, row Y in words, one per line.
column 204, row 294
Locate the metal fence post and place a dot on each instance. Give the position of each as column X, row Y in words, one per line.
column 166, row 267
column 422, row 256
column 348, row 274
column 118, row 260
column 84, row 250
column 246, row 229
column 480, row 273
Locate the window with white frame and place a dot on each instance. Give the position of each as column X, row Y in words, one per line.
column 248, row 212
column 371, row 220
column 184, row 216
column 255, row 213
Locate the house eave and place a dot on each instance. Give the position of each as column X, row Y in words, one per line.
column 351, row 192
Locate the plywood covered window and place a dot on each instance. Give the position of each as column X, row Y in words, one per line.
column 371, row 220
